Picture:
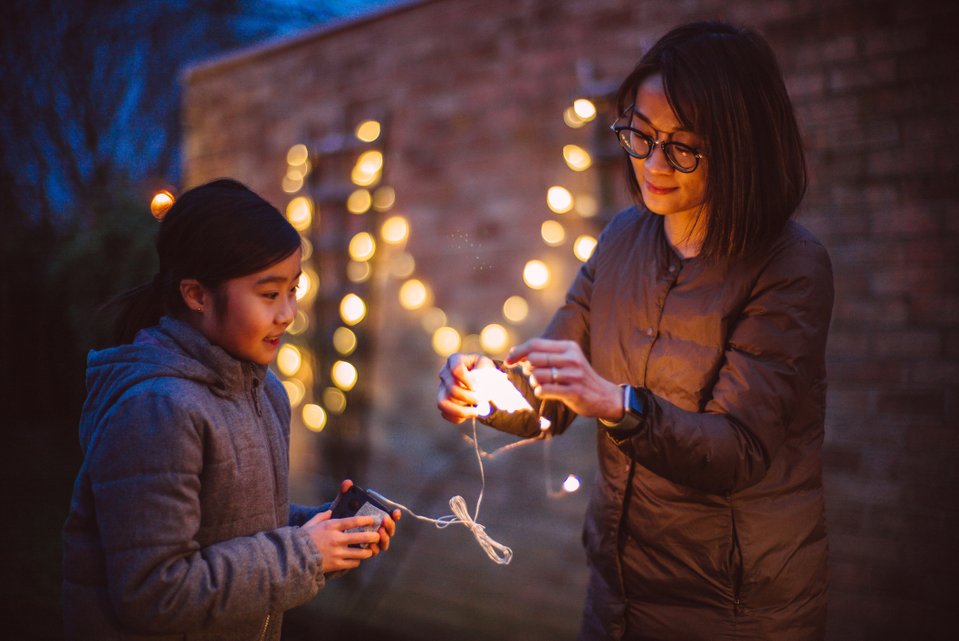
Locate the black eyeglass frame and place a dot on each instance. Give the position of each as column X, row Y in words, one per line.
column 665, row 145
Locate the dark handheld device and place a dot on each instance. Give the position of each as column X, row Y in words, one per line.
column 357, row 502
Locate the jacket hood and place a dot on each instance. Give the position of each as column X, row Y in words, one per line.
column 172, row 348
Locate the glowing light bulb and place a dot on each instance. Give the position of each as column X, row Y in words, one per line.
column 413, row 294
column 296, row 390
column 161, row 203
column 362, row 246
column 571, row 484
column 301, row 322
column 558, row 199
column 306, row 284
column 359, row 201
column 344, row 375
column 536, row 274
column 494, row 338
column 383, row 198
column 367, row 169
column 585, row 109
column 288, row 360
column 352, row 309
column 577, row 158
column 515, row 309
column 344, row 340
column 358, row 272
column 297, row 154
column 572, row 120
column 583, row 247
column 552, row 232
column 335, row 400
column 446, row 340
column 368, row 130
column 314, row 417
column 299, row 211
column 395, row 230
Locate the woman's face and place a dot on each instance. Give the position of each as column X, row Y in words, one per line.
column 254, row 311
column 665, row 190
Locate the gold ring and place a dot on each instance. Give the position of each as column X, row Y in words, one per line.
column 552, row 372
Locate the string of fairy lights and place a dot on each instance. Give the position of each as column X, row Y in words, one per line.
column 295, row 361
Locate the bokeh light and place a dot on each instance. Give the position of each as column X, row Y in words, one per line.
column 288, row 360
column 583, row 247
column 314, row 417
column 536, row 274
column 515, row 309
column 344, row 340
column 559, row 199
column 552, row 232
column 352, row 309
column 446, row 340
column 494, row 339
column 413, row 294
column 344, row 375
column 368, row 130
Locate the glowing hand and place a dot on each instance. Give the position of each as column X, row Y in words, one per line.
column 456, row 398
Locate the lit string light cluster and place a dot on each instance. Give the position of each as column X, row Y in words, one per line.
column 415, row 295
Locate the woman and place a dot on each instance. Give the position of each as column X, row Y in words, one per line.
column 696, row 335
column 180, row 525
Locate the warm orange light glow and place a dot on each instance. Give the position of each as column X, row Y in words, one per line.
column 433, row 319
column 583, row 247
column 314, row 417
column 536, row 274
column 585, row 109
column 515, row 309
column 383, row 198
column 296, row 390
column 297, row 155
column 559, row 199
column 335, row 400
column 301, row 322
column 413, row 294
column 446, row 340
column 161, row 203
column 359, row 202
column 299, row 211
column 362, row 246
column 344, row 375
column 358, row 272
column 395, row 230
column 344, row 340
column 352, row 309
column 288, row 360
column 494, row 338
column 368, row 130
column 577, row 158
column 552, row 232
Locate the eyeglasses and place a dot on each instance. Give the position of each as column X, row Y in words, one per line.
column 680, row 157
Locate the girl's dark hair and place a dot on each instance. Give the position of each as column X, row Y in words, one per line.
column 214, row 232
column 724, row 84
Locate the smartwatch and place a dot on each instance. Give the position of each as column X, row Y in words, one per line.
column 634, row 415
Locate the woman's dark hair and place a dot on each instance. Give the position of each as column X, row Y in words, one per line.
column 214, row 232
column 724, row 84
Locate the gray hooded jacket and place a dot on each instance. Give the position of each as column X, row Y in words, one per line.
column 180, row 525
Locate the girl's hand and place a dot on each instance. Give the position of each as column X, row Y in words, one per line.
column 455, row 398
column 334, row 543
column 561, row 372
column 386, row 532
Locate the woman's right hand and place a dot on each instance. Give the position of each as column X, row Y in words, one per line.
column 331, row 539
column 455, row 398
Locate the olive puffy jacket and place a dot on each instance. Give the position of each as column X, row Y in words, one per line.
column 708, row 523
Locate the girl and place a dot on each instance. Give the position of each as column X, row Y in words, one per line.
column 180, row 525
column 696, row 335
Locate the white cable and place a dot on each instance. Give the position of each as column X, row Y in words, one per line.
column 496, row 551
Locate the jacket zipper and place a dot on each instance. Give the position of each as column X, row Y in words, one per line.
column 256, row 396
column 266, row 626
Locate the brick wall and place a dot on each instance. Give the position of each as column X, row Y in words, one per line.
column 472, row 95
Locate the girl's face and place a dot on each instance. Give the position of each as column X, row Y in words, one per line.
column 253, row 311
column 666, row 191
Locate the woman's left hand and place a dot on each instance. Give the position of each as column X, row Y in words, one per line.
column 561, row 372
